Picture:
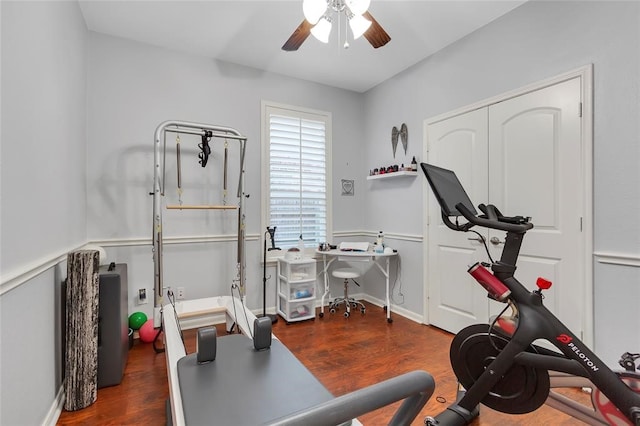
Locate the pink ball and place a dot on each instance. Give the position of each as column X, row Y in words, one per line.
column 147, row 332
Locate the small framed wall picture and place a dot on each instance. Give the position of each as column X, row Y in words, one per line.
column 347, row 187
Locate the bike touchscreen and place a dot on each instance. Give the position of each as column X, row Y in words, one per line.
column 447, row 189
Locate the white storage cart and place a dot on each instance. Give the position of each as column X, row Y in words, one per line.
column 296, row 289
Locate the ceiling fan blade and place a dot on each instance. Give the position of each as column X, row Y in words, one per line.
column 376, row 35
column 298, row 37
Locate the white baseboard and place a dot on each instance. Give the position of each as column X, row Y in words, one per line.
column 395, row 309
column 56, row 408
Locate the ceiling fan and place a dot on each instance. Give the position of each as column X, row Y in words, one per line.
column 319, row 15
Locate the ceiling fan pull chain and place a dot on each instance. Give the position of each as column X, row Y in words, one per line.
column 346, row 34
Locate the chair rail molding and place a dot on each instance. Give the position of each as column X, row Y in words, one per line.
column 623, row 259
column 373, row 234
column 26, row 272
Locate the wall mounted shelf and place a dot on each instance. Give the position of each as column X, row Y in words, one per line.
column 393, row 175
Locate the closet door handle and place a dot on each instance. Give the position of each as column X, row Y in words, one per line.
column 496, row 241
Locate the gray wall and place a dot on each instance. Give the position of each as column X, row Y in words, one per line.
column 535, row 41
column 43, row 208
column 134, row 87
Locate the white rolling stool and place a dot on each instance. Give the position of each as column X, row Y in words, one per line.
column 349, row 302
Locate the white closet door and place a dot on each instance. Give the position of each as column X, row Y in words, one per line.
column 535, row 170
column 524, row 156
column 455, row 301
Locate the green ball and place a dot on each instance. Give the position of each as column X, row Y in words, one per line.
column 137, row 319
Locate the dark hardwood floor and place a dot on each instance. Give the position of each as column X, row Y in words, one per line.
column 344, row 354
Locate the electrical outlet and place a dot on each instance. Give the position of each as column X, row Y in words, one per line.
column 180, row 293
column 142, row 296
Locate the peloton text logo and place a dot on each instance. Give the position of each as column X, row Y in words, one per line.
column 563, row 338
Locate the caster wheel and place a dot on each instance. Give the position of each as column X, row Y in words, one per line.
column 384, row 308
column 362, row 310
column 389, row 320
column 346, row 314
column 288, row 323
column 332, row 310
column 321, row 314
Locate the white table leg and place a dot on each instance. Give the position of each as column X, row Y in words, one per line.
column 385, row 272
column 325, row 271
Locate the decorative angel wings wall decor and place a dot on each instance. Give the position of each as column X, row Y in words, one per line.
column 403, row 134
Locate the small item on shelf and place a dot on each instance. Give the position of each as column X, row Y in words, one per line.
column 414, row 164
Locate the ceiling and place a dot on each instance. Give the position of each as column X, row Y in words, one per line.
column 251, row 33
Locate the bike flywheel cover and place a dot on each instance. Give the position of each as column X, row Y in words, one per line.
column 521, row 390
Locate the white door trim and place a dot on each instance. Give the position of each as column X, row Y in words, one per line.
column 586, row 77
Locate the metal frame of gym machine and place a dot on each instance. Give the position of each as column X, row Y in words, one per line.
column 203, row 130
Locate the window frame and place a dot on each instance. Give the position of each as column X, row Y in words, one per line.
column 267, row 108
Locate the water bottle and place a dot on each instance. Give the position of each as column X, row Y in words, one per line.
column 380, row 242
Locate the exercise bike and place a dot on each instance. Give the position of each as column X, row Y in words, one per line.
column 497, row 364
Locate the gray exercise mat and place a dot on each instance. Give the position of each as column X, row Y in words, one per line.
column 246, row 387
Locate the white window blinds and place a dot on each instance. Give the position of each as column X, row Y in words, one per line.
column 297, row 178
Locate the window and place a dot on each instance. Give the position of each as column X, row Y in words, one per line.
column 296, row 174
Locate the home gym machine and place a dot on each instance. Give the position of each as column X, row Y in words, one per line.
column 238, row 379
column 498, row 365
column 206, row 132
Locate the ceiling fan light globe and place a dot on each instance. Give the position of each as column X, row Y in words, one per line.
column 358, row 7
column 359, row 24
column 313, row 10
column 322, row 30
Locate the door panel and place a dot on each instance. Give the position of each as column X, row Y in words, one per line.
column 534, row 170
column 455, row 300
column 456, row 291
column 525, row 151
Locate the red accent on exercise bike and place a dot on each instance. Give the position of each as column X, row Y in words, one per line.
column 493, row 285
column 604, row 406
column 563, row 338
column 543, row 284
column 507, row 325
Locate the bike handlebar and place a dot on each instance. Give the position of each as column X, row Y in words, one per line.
column 495, row 220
